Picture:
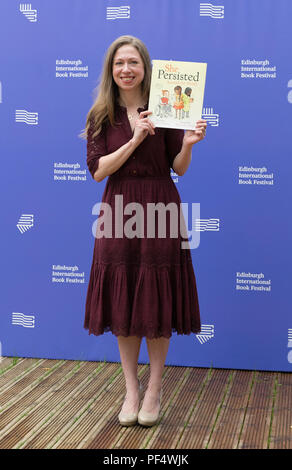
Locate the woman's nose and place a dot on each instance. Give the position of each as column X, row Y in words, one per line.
column 125, row 67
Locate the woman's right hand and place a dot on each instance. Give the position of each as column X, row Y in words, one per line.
column 143, row 127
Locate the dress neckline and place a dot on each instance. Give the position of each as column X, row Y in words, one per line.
column 123, row 109
column 138, row 109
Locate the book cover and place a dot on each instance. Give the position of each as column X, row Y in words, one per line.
column 177, row 93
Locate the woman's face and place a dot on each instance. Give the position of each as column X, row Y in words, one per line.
column 128, row 68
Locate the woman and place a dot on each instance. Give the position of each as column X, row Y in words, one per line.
column 139, row 286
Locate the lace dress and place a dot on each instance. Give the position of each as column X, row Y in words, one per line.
column 144, row 285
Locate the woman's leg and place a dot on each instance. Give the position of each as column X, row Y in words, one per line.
column 157, row 350
column 129, row 352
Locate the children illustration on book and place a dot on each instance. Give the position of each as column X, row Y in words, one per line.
column 163, row 109
column 181, row 103
column 178, row 104
column 165, row 96
column 186, row 97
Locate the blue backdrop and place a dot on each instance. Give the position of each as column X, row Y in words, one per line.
column 51, row 56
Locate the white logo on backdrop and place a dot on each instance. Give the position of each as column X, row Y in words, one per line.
column 207, row 225
column 114, row 13
column 257, row 69
column 25, row 222
column 66, row 68
column 21, row 115
column 211, row 118
column 252, row 282
column 290, row 92
column 69, row 172
column 290, row 345
column 207, row 332
column 214, row 11
column 67, row 274
column 28, row 12
column 27, row 321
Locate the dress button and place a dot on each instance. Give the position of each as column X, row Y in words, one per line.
column 134, row 172
column 134, row 158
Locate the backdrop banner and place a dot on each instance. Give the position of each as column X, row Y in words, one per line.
column 237, row 190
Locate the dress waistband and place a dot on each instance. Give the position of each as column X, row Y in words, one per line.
column 144, row 177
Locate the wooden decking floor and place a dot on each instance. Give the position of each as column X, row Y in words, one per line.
column 63, row 404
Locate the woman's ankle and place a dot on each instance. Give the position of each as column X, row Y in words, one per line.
column 132, row 386
column 154, row 388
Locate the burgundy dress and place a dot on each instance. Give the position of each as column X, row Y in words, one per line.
column 139, row 286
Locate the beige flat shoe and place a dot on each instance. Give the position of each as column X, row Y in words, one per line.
column 149, row 419
column 129, row 419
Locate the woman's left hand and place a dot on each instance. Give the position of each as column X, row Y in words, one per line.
column 193, row 137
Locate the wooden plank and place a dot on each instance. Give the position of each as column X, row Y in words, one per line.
column 18, row 417
column 93, row 411
column 16, row 390
column 179, row 408
column 82, row 389
column 281, row 431
column 201, row 421
column 257, row 421
column 13, row 373
column 52, row 404
column 32, row 418
column 227, row 430
column 6, row 363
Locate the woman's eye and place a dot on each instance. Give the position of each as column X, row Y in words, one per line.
column 135, row 62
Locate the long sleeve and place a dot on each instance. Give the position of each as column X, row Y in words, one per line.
column 96, row 148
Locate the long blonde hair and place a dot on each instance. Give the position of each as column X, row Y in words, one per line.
column 103, row 108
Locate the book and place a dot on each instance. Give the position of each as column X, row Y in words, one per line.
column 177, row 93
